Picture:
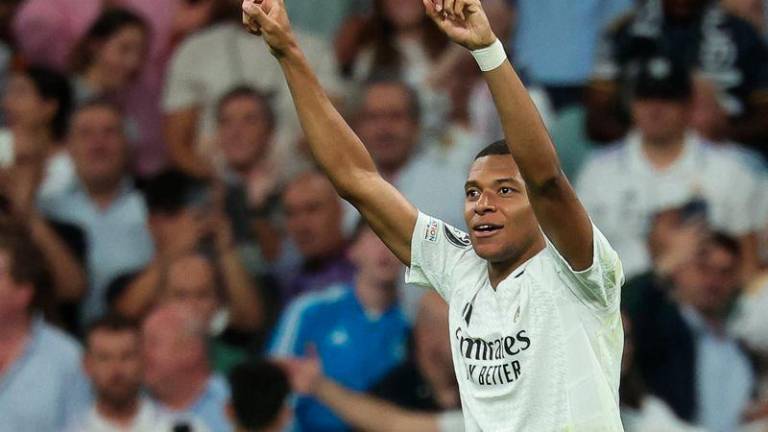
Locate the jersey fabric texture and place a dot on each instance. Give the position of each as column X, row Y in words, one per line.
column 541, row 352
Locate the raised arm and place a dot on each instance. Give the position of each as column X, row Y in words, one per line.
column 334, row 145
column 560, row 214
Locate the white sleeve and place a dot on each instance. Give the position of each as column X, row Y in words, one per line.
column 598, row 286
column 436, row 248
column 450, row 421
column 182, row 90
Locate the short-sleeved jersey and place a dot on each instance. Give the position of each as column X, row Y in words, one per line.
column 722, row 47
column 542, row 351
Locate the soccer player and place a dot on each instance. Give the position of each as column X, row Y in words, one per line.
column 533, row 289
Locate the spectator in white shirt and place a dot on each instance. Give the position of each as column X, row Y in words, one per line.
column 663, row 164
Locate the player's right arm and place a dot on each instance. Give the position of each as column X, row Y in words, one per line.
column 334, row 145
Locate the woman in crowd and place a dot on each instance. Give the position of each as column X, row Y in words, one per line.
column 36, row 106
column 402, row 41
column 110, row 56
column 33, row 163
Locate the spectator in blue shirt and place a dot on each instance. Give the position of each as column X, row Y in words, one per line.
column 358, row 331
column 41, row 383
column 102, row 201
column 177, row 373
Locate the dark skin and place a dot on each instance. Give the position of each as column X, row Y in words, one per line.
column 550, row 199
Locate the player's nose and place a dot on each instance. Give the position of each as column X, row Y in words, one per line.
column 484, row 204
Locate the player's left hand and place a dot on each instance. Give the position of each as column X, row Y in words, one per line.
column 463, row 21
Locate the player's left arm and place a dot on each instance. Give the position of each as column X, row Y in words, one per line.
column 559, row 211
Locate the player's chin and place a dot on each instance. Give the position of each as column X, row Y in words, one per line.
column 487, row 249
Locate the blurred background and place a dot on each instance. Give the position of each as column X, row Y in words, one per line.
column 165, row 239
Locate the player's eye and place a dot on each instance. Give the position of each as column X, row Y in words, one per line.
column 472, row 193
column 505, row 190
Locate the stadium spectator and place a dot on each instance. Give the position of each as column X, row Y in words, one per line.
column 42, row 382
column 661, row 164
column 36, row 164
column 36, row 108
column 390, row 126
column 259, row 401
column 192, row 282
column 113, row 364
column 358, row 330
column 699, row 34
column 195, row 259
column 640, row 410
column 110, row 56
column 559, row 55
column 177, row 373
column 212, row 62
column 400, row 41
column 245, row 134
column 313, row 222
column 684, row 346
column 102, row 201
column 47, row 33
column 426, row 382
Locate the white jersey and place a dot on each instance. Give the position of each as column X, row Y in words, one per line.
column 540, row 353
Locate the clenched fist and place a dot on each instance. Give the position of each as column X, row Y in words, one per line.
column 269, row 19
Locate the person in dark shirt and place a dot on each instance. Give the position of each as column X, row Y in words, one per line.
column 426, row 382
column 721, row 47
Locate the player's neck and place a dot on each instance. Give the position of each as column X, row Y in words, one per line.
column 498, row 271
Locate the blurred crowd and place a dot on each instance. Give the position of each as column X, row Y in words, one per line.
column 172, row 260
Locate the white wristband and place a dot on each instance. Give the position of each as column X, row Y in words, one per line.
column 490, row 57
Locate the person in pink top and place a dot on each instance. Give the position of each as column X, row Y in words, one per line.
column 47, row 32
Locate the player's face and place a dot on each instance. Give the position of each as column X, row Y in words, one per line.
column 113, row 363
column 497, row 211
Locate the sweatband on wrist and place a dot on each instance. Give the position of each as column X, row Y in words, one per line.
column 490, row 57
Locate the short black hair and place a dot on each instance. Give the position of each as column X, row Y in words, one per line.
column 498, row 148
column 53, row 86
column 112, row 323
column 170, row 191
column 259, row 390
column 244, row 91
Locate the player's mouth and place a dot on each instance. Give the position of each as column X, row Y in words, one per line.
column 486, row 230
